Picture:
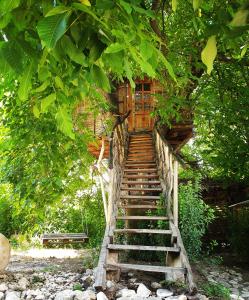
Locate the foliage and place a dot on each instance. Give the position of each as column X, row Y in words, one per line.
column 216, row 291
column 238, row 231
column 195, row 216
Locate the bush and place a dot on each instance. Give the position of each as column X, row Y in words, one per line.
column 216, row 291
column 195, row 216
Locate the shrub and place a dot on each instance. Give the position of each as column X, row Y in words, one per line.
column 195, row 216
column 216, row 291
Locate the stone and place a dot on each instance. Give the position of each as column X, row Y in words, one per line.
column 235, row 297
column 40, row 297
column 5, row 252
column 156, row 285
column 86, row 295
column 87, row 280
column 164, row 293
column 101, row 296
column 110, row 284
column 12, row 296
column 143, row 291
column 64, row 295
column 245, row 294
column 3, row 287
column 125, row 293
column 23, row 283
column 1, row 295
column 89, row 272
column 130, row 274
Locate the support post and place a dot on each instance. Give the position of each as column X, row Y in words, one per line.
column 175, row 194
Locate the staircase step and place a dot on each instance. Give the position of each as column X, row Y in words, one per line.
column 143, row 248
column 140, row 170
column 140, row 197
column 147, row 268
column 123, row 188
column 142, row 206
column 136, row 166
column 141, row 176
column 142, row 182
column 136, row 230
column 146, row 218
column 141, row 162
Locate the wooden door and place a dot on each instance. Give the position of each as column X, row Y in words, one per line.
column 142, row 106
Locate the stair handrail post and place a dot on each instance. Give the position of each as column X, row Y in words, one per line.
column 175, row 193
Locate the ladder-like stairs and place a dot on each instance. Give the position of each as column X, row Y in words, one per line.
column 141, row 211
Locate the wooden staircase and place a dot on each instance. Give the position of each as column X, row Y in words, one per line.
column 141, row 211
column 142, row 219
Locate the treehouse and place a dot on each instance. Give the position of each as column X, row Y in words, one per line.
column 138, row 106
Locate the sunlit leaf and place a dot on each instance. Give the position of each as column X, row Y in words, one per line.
column 58, row 10
column 174, row 5
column 36, row 111
column 86, row 2
column 209, row 53
column 42, row 87
column 47, row 101
column 196, row 4
column 25, row 82
column 58, row 82
column 243, row 51
column 64, row 121
column 113, row 48
column 126, row 6
column 240, row 18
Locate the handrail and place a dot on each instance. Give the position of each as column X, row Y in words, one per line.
column 118, row 150
column 167, row 162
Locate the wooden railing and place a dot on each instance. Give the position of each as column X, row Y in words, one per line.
column 168, row 163
column 118, row 150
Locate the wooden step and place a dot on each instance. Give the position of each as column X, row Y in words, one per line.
column 138, row 230
column 143, row 248
column 142, row 206
column 141, row 162
column 146, row 218
column 152, row 165
column 140, row 170
column 147, row 268
column 134, row 189
column 141, row 176
column 140, row 197
column 142, row 182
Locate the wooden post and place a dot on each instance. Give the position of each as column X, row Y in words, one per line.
column 175, row 193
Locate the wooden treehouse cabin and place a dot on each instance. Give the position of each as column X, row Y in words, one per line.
column 142, row 209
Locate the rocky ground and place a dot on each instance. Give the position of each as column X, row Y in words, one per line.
column 67, row 275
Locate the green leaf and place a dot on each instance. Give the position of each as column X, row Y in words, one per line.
column 8, row 5
column 240, row 18
column 128, row 72
column 167, row 65
column 86, row 2
column 25, row 82
column 58, row 82
column 4, row 20
column 209, row 53
column 47, row 101
column 126, row 6
column 58, row 10
column 85, row 9
column 243, row 51
column 113, row 48
column 100, row 78
column 42, row 87
column 72, row 51
column 52, row 28
column 13, row 55
column 174, row 5
column 146, row 49
column 36, row 111
column 196, row 4
column 64, row 121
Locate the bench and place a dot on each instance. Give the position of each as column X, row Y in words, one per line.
column 64, row 238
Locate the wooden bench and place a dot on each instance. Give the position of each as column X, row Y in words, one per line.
column 64, row 238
